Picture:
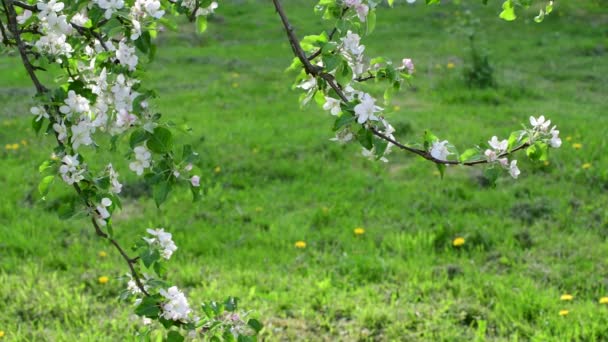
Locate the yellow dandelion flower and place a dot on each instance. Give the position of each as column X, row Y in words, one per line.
column 577, row 146
column 604, row 300
column 259, row 209
column 546, row 163
column 23, row 142
column 359, row 231
column 103, row 279
column 8, row 147
column 325, row 210
column 451, row 65
column 586, row 166
column 217, row 169
column 564, row 312
column 102, row 254
column 15, row 146
column 396, row 108
column 235, row 85
column 1, row 334
column 300, row 244
column 568, row 138
column 459, row 241
column 566, row 296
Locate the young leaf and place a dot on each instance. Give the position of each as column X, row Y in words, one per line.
column 161, row 140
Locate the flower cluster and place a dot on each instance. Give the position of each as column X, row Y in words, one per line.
column 163, row 241
column 176, row 306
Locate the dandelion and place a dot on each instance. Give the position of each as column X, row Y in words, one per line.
column 325, row 210
column 564, row 312
column 102, row 254
column 546, row 163
column 217, row 169
column 1, row 334
column 103, row 280
column 586, row 166
column 259, row 209
column 577, row 146
column 458, row 242
column 568, row 138
column 566, row 296
column 359, row 231
column 396, row 108
column 451, row 65
column 23, row 142
column 604, row 300
column 235, row 85
column 300, row 244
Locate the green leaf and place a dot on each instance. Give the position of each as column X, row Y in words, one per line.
column 365, row 138
column 331, row 61
column 160, row 192
column 469, row 154
column 371, row 21
column 45, row 165
column 391, row 2
column 149, row 256
column 538, row 152
column 201, row 24
column 37, row 124
column 149, row 307
column 255, row 325
column 508, row 11
column 161, row 140
column 380, row 146
column 174, row 336
column 429, row 139
column 514, row 139
column 344, row 74
column 343, row 120
column 45, row 183
column 441, row 169
column 231, row 304
column 138, row 136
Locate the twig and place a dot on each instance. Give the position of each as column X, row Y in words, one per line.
column 13, row 28
column 330, row 79
column 331, row 35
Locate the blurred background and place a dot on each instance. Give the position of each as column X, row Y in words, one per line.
column 436, row 259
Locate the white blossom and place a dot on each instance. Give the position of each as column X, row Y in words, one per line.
column 110, row 6
column 101, row 211
column 74, row 103
column 439, row 150
column 163, row 240
column 62, row 131
column 540, row 123
column 408, row 65
column 491, row 155
column 176, row 307
column 39, row 112
column 332, row 105
column 115, row 186
column 555, row 140
column 70, row 169
column 196, row 181
column 513, row 169
column 350, row 42
column 361, row 8
column 79, row 19
column 366, row 109
column 142, row 160
column 498, row 146
column 81, row 134
column 52, row 6
column 126, row 55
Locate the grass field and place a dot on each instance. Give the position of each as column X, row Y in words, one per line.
column 273, row 178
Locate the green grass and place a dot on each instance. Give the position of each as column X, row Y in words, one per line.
column 527, row 241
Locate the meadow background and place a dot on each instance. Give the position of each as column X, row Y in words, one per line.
column 273, row 178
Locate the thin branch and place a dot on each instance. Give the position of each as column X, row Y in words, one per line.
column 12, row 25
column 331, row 81
column 32, row 8
column 331, row 35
